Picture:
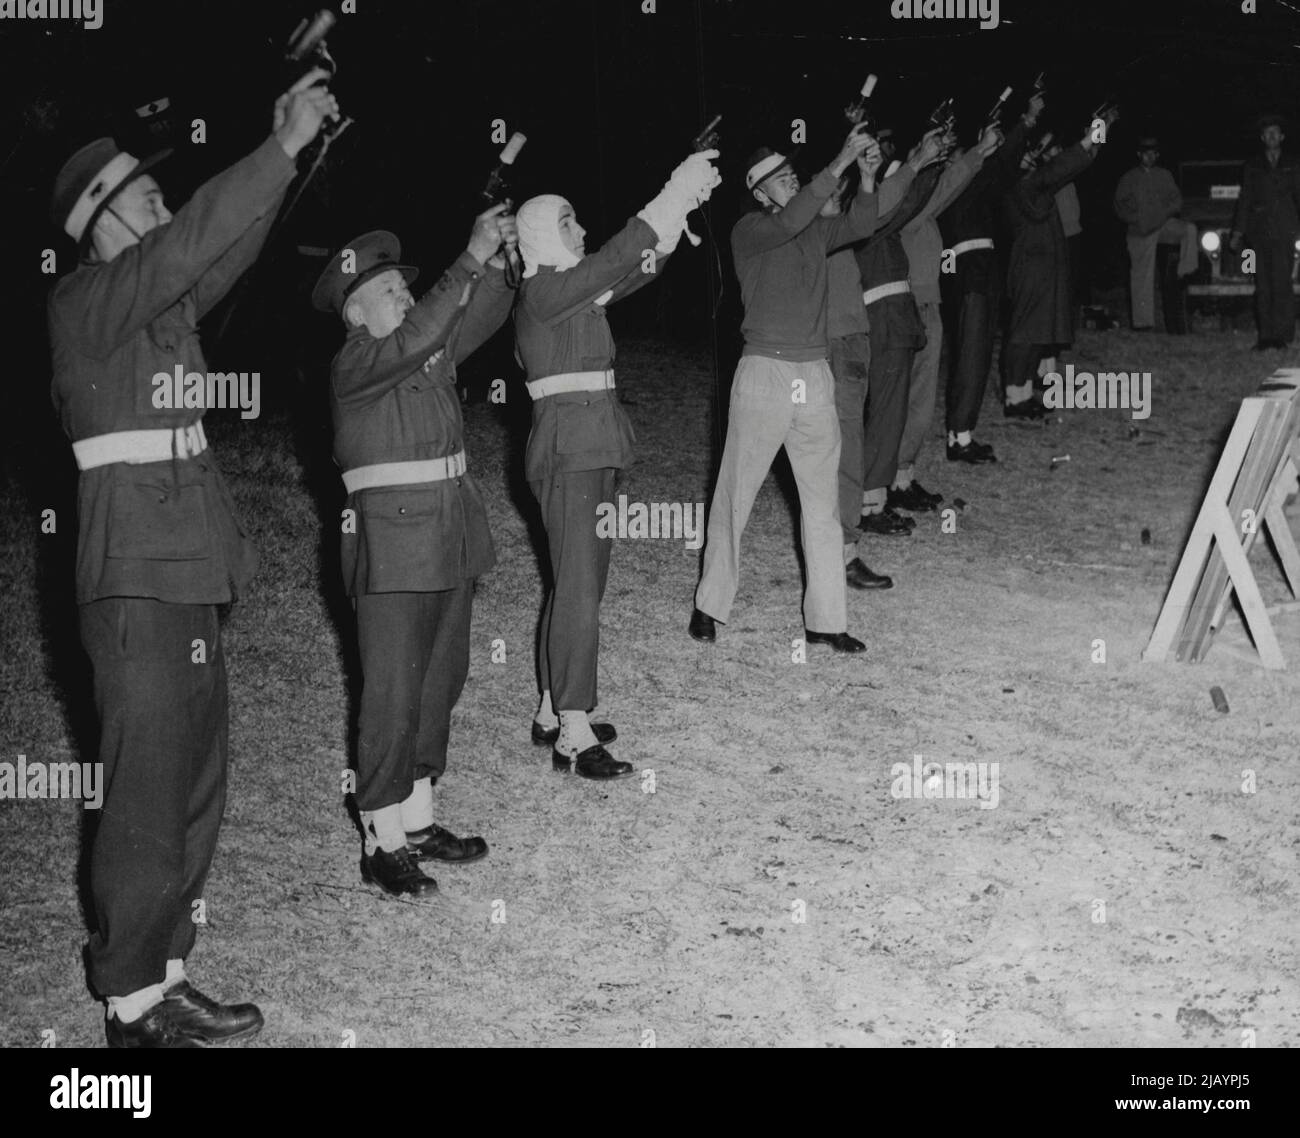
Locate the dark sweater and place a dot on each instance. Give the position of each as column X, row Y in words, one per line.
column 780, row 258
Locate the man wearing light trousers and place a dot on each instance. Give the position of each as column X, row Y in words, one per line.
column 783, row 393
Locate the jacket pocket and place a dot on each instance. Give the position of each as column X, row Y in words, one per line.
column 157, row 520
column 585, row 425
column 411, row 539
column 400, row 506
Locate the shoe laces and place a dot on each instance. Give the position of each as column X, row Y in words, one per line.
column 406, row 864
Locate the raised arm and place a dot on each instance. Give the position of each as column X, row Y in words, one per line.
column 638, row 278
column 774, row 228
column 488, row 307
column 956, row 176
column 368, row 368
column 213, row 285
column 112, row 304
column 555, row 297
column 1061, row 170
column 760, row 232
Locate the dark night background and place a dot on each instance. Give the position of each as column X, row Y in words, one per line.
column 609, row 97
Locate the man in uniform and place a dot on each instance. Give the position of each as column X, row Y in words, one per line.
column 783, row 393
column 158, row 549
column 415, row 532
column 1268, row 220
column 581, row 437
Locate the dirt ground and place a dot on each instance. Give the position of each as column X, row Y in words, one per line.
column 763, row 887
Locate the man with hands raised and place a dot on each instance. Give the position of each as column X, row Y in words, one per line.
column 158, row 549
column 783, row 391
column 581, row 437
column 414, row 532
column 1041, row 320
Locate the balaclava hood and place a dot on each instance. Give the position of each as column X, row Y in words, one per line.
column 539, row 234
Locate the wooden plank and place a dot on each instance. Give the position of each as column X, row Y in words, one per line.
column 1279, row 534
column 1248, row 494
column 1256, row 472
column 1174, row 610
column 1213, row 592
column 1252, row 604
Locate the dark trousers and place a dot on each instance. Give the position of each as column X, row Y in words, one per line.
column 1019, row 363
column 414, row 661
column 1173, row 297
column 1074, row 259
column 568, row 640
column 1274, row 301
column 850, row 360
column 163, row 724
column 970, row 355
column 889, row 379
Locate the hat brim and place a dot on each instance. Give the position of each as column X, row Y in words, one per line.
column 788, row 164
column 139, row 171
column 320, row 294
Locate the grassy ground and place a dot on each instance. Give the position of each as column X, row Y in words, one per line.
column 669, row 906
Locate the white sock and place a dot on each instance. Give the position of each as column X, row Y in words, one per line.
column 417, row 808
column 1046, row 364
column 546, row 716
column 1020, row 394
column 850, row 552
column 903, row 479
column 131, row 1007
column 384, row 829
column 575, row 733
column 963, row 438
column 175, row 973
column 873, row 501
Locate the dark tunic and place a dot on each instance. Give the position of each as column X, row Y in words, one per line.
column 974, row 214
column 1038, row 280
column 882, row 259
column 1269, row 206
column 165, row 530
column 394, row 400
column 560, row 328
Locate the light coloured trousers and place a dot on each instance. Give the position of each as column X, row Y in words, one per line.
column 921, row 392
column 1142, row 265
column 776, row 403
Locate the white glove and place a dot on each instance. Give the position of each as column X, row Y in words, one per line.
column 691, row 183
column 697, row 176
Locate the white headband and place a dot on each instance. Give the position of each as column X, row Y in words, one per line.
column 761, row 169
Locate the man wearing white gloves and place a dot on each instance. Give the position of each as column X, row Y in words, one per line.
column 783, row 392
column 581, row 436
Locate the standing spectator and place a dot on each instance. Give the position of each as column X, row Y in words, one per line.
column 1268, row 219
column 1148, row 201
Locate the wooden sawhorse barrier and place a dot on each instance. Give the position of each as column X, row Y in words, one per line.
column 1256, row 474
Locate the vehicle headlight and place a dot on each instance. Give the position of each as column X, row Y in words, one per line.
column 1210, row 241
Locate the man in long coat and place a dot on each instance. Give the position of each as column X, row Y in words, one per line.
column 1041, row 315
